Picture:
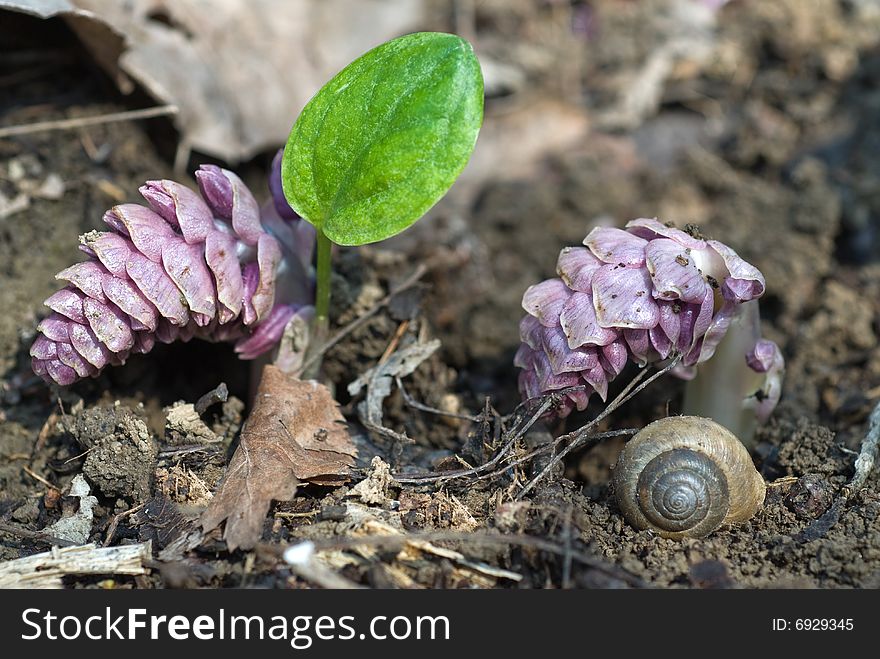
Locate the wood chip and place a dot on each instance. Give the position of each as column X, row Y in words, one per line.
column 47, row 569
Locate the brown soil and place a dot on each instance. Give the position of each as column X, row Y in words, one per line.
column 788, row 174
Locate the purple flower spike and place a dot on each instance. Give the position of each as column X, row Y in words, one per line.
column 216, row 189
column 745, row 281
column 180, row 207
column 673, row 272
column 580, row 325
column 617, row 247
column 546, row 300
column 576, row 266
column 641, row 295
column 622, row 298
column 189, row 266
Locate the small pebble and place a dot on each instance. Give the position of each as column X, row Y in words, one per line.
column 809, row 497
column 52, row 188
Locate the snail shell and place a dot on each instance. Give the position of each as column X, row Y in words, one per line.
column 685, row 476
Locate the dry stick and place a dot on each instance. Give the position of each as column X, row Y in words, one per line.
column 40, row 479
column 114, row 524
column 168, row 452
column 545, row 405
column 39, row 536
column 77, row 457
column 412, row 402
column 863, row 467
column 867, row 454
column 594, row 438
column 82, row 122
column 300, row 559
column 408, row 283
column 495, row 539
column 47, row 569
column 309, row 513
column 546, row 402
column 395, row 341
column 219, row 394
column 580, row 433
column 579, row 436
column 45, row 430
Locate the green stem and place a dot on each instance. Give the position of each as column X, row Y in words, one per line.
column 322, row 301
column 321, row 327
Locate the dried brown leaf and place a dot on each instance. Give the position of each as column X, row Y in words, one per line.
column 239, row 71
column 296, row 433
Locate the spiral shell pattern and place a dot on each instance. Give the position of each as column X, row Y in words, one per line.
column 685, row 477
column 678, row 488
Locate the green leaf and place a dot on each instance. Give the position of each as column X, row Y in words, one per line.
column 385, row 139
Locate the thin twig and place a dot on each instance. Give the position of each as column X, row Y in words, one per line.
column 590, row 441
column 82, row 122
column 40, row 479
column 219, row 394
column 77, row 457
column 39, row 536
column 546, row 403
column 309, row 513
column 46, row 430
column 408, row 283
column 111, row 531
column 395, row 341
column 323, row 577
column 300, row 560
column 579, row 436
column 184, row 450
column 412, row 402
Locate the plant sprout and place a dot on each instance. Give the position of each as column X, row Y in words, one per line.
column 381, row 143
